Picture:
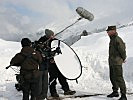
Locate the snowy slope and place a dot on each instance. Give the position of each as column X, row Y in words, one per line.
column 7, row 77
column 93, row 52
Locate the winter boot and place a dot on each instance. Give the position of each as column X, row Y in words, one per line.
column 123, row 97
column 113, row 94
column 54, row 95
column 69, row 92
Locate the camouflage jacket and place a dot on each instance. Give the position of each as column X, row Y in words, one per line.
column 117, row 50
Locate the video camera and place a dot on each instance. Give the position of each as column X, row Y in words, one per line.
column 45, row 50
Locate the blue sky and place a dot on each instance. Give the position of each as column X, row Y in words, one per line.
column 25, row 16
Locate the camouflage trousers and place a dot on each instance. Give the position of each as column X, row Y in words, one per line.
column 116, row 78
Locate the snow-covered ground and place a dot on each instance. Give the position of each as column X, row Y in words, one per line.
column 93, row 53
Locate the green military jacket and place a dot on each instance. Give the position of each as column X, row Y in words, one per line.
column 117, row 50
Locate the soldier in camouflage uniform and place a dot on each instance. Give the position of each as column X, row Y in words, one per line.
column 117, row 56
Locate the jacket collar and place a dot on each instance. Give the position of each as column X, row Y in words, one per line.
column 113, row 36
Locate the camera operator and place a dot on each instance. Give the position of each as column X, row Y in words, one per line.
column 28, row 59
column 49, row 63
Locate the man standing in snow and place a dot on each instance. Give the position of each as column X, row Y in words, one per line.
column 117, row 56
column 54, row 72
column 28, row 60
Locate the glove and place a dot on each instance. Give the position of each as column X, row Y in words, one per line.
column 58, row 50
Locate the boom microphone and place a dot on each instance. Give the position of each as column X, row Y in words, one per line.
column 85, row 14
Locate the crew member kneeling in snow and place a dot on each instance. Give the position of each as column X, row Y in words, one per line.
column 54, row 72
column 117, row 56
column 28, row 59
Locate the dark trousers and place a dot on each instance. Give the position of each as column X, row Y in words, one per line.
column 44, row 84
column 116, row 78
column 54, row 73
column 29, row 88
